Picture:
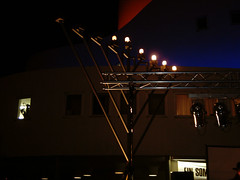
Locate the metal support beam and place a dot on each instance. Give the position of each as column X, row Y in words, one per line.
column 100, row 75
column 178, row 80
column 60, row 21
column 135, row 81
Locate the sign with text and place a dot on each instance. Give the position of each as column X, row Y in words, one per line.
column 198, row 168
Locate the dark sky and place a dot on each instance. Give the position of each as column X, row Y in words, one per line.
column 28, row 28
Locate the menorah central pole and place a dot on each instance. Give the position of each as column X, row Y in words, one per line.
column 130, row 130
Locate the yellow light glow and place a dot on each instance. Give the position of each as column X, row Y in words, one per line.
column 164, row 62
column 195, row 119
column 77, row 177
column 24, row 106
column 152, row 175
column 174, row 68
column 154, row 58
column 141, row 51
column 118, row 172
column 87, row 175
column 127, row 39
column 114, row 38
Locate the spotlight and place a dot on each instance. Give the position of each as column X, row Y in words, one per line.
column 221, row 114
column 198, row 113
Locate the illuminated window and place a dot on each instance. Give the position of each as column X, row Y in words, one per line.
column 104, row 98
column 209, row 104
column 73, row 104
column 24, row 107
column 124, row 106
column 156, row 101
column 183, row 103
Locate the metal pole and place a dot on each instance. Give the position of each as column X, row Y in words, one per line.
column 100, row 74
column 130, row 129
column 109, row 64
column 60, row 21
column 142, row 109
column 149, row 123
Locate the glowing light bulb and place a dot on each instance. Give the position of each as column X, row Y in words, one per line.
column 114, row 38
column 174, row 68
column 154, row 58
column 127, row 39
column 141, row 51
column 164, row 62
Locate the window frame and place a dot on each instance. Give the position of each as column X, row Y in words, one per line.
column 66, row 104
column 151, row 112
column 208, row 104
column 97, row 104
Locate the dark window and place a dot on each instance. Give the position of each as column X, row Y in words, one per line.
column 73, row 104
column 235, row 16
column 124, row 107
column 201, row 23
column 156, row 103
column 104, row 98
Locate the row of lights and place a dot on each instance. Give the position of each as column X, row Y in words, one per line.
column 121, row 173
column 141, row 56
column 221, row 114
column 89, row 175
column 75, row 177
column 197, row 109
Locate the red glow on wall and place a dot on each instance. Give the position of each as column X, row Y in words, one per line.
column 128, row 9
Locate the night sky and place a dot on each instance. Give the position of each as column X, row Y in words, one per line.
column 30, row 28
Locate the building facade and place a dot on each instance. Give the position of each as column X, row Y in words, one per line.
column 51, row 119
column 187, row 33
column 51, row 126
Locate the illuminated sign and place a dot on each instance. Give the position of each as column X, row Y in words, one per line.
column 198, row 168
